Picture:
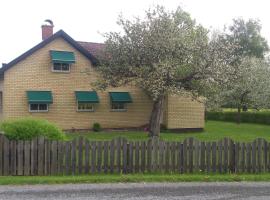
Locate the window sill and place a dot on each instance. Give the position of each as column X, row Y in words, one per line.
column 38, row 111
column 85, row 110
column 62, row 72
column 119, row 110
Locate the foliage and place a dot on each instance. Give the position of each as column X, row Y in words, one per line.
column 29, row 128
column 246, row 35
column 96, row 127
column 250, row 86
column 246, row 117
column 165, row 52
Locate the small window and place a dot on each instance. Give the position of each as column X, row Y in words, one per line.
column 85, row 107
column 118, row 107
column 61, row 67
column 38, row 107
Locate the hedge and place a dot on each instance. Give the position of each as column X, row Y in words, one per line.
column 246, row 117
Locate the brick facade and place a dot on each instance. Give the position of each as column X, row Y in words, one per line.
column 184, row 113
column 34, row 73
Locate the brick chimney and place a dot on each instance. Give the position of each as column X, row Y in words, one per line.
column 47, row 29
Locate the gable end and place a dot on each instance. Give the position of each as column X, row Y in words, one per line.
column 58, row 34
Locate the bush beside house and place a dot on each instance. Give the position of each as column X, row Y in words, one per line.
column 29, row 128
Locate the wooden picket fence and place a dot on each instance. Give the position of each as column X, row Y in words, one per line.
column 81, row 156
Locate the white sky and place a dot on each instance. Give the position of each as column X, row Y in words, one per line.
column 84, row 20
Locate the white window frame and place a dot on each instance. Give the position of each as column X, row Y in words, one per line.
column 61, row 71
column 85, row 110
column 38, row 107
column 119, row 109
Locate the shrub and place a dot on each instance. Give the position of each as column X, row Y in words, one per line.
column 96, row 127
column 29, row 128
column 246, row 117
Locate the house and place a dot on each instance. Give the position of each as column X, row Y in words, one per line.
column 49, row 81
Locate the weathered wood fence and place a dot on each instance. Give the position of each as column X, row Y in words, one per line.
column 81, row 156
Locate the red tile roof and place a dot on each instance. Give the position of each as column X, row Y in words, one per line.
column 92, row 47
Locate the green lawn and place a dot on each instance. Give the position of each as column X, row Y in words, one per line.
column 114, row 178
column 214, row 130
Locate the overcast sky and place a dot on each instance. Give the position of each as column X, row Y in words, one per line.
column 84, row 20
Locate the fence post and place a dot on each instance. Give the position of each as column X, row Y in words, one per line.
column 34, row 157
column 236, row 156
column 191, row 151
column 93, row 157
column 42, row 165
column 127, row 159
column 155, row 153
column 265, row 155
column 233, row 157
column 149, row 155
column 202, row 164
column 80, row 154
column 143, row 150
column 181, row 152
column 118, row 154
column 214, row 156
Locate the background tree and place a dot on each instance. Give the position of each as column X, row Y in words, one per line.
column 247, row 36
column 164, row 53
column 250, row 87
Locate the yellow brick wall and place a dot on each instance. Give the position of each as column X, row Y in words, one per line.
column 183, row 112
column 34, row 73
column 1, row 97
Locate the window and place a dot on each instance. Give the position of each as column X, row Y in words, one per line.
column 62, row 60
column 39, row 101
column 61, row 67
column 119, row 101
column 118, row 107
column 38, row 107
column 85, row 107
column 86, row 100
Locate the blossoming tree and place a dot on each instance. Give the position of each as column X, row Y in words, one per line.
column 165, row 52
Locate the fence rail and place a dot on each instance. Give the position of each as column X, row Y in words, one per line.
column 81, row 156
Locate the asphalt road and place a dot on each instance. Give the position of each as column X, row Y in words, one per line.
column 138, row 191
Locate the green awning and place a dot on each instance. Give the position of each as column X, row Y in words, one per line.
column 39, row 97
column 62, row 57
column 120, row 97
column 87, row 96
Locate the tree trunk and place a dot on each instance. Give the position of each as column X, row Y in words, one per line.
column 238, row 120
column 154, row 124
column 240, row 105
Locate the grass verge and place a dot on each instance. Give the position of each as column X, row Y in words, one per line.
column 214, row 130
column 131, row 178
